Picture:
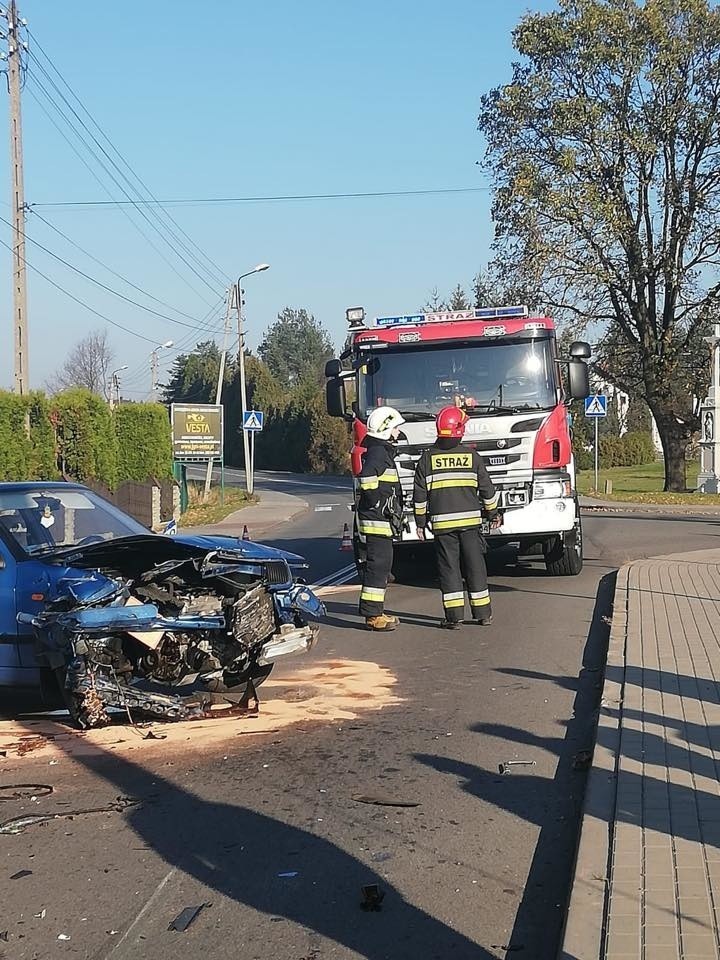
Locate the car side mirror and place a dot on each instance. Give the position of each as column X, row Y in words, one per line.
column 578, row 380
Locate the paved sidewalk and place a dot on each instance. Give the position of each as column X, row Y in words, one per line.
column 647, row 879
column 260, row 518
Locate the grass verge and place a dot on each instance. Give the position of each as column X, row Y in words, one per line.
column 201, row 514
column 643, row 484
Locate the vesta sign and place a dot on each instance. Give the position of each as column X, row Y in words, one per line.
column 197, row 431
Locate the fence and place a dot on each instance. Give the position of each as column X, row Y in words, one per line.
column 152, row 503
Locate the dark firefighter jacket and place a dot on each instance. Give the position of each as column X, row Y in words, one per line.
column 452, row 488
column 378, row 481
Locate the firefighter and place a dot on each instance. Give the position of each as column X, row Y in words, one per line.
column 379, row 513
column 452, row 490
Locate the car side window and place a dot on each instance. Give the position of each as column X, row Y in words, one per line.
column 13, row 526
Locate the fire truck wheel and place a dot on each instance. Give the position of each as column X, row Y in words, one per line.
column 564, row 557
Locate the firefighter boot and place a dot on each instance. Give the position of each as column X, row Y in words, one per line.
column 382, row 623
column 483, row 619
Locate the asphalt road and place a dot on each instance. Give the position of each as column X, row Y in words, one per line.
column 267, row 831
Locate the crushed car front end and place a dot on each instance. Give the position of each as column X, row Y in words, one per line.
column 173, row 628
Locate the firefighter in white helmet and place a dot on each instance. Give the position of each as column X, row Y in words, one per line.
column 379, row 513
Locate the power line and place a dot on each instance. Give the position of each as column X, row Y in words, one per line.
column 82, row 303
column 99, row 283
column 219, row 273
column 109, row 269
column 139, row 371
column 141, row 209
column 122, row 206
column 203, row 201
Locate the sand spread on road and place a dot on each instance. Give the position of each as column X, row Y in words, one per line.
column 326, row 691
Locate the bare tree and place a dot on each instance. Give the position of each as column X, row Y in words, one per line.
column 87, row 365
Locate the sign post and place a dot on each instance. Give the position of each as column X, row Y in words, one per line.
column 596, row 407
column 253, row 421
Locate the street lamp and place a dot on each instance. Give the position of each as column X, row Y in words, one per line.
column 154, row 365
column 248, row 442
column 115, row 385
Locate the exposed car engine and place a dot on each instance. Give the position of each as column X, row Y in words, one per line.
column 170, row 629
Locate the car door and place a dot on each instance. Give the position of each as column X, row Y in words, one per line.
column 11, row 672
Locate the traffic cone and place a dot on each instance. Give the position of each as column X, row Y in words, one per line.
column 346, row 542
column 246, row 533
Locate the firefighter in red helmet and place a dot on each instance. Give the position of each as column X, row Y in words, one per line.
column 452, row 491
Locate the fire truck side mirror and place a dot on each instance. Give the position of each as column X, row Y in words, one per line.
column 333, row 368
column 336, row 399
column 580, row 350
column 578, row 380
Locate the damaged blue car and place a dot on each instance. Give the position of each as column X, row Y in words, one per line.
column 103, row 615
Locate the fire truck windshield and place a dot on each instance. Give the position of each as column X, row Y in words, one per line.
column 485, row 379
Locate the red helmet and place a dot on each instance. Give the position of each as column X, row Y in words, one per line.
column 450, row 422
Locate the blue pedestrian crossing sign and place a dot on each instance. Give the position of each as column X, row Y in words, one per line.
column 253, row 420
column 596, row 406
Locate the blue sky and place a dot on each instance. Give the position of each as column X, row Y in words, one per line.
column 255, row 100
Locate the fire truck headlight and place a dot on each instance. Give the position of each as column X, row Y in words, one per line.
column 551, row 489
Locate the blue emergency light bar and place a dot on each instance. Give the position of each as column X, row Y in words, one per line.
column 495, row 313
column 484, row 313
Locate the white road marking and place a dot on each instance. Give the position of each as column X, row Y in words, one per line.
column 142, row 913
column 331, row 577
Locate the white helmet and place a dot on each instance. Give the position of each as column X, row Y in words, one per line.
column 382, row 421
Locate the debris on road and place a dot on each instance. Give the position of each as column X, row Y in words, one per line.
column 288, row 874
column 63, row 936
column 505, row 767
column 183, row 920
column 24, row 791
column 41, row 915
column 20, row 824
column 372, row 899
column 381, row 857
column 380, row 801
column 20, row 874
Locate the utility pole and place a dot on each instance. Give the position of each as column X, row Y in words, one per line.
column 218, row 390
column 154, row 370
column 155, row 367
column 20, row 320
column 243, row 386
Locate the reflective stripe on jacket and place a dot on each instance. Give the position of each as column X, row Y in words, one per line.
column 378, row 480
column 452, row 489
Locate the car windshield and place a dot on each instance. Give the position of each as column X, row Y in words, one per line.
column 483, row 378
column 41, row 521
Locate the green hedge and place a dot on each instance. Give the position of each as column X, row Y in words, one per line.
column 631, row 450
column 87, row 448
column 23, row 456
column 144, row 449
column 76, row 435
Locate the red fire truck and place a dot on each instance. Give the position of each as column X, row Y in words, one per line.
column 501, row 365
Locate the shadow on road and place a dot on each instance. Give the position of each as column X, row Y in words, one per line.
column 555, row 805
column 237, row 852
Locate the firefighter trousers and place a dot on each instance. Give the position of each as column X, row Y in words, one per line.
column 461, row 555
column 375, row 575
